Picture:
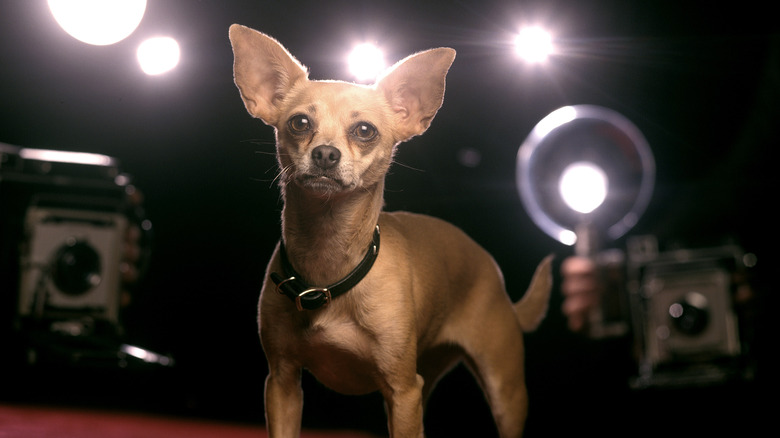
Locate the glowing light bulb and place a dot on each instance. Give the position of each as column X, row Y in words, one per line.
column 366, row 62
column 534, row 44
column 583, row 186
column 98, row 22
column 158, row 55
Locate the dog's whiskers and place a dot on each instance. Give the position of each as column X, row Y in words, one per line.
column 407, row 166
column 282, row 175
column 259, row 142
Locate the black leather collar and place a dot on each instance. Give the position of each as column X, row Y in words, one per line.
column 307, row 297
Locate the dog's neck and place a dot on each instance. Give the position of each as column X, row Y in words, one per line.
column 326, row 238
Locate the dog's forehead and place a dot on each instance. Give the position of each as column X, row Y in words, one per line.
column 336, row 98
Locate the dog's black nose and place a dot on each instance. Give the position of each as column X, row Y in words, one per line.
column 325, row 156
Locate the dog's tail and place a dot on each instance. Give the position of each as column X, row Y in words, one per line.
column 532, row 308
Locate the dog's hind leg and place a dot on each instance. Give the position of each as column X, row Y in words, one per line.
column 498, row 366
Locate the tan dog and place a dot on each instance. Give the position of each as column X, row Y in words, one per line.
column 404, row 314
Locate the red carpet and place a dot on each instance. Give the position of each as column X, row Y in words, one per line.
column 55, row 422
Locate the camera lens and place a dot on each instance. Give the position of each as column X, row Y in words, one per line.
column 76, row 267
column 690, row 315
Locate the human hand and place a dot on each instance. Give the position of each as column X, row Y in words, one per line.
column 582, row 289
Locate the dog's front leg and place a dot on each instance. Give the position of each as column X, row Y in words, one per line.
column 283, row 402
column 405, row 407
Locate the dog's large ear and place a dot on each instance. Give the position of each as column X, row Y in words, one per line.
column 414, row 87
column 263, row 71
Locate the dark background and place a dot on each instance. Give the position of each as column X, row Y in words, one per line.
column 701, row 81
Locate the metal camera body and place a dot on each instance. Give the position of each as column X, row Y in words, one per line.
column 63, row 218
column 684, row 320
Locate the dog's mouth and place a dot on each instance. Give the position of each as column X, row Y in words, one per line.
column 322, row 183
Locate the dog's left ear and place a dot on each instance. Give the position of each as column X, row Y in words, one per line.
column 414, row 87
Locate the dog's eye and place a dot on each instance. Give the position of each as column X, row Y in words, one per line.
column 299, row 123
column 364, row 131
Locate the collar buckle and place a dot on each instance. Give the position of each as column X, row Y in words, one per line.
column 323, row 290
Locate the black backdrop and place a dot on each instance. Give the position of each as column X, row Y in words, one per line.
column 701, row 83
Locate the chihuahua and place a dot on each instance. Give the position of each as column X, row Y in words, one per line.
column 361, row 319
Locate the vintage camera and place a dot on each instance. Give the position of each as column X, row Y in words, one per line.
column 65, row 218
column 63, row 221
column 682, row 307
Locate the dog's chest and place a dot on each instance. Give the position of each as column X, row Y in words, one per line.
column 339, row 355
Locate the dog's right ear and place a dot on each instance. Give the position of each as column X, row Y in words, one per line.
column 263, row 71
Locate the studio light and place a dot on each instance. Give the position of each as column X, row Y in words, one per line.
column 585, row 173
column 366, row 62
column 98, row 22
column 534, row 44
column 158, row 55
